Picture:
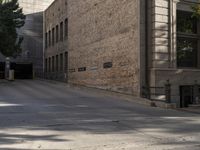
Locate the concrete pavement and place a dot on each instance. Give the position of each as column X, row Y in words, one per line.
column 52, row 116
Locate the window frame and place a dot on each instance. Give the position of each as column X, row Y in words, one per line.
column 61, row 31
column 53, row 64
column 61, row 62
column 49, row 68
column 49, row 38
column 57, row 33
column 46, row 40
column 190, row 36
column 57, row 63
column 53, row 36
column 66, row 28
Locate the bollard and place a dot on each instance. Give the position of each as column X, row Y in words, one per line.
column 196, row 93
column 168, row 92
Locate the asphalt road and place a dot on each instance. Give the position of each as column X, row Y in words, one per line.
column 52, row 116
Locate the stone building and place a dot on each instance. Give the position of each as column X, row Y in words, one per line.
column 56, row 37
column 174, row 49
column 139, row 47
column 32, row 32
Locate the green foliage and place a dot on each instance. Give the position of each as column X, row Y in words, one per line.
column 196, row 9
column 11, row 19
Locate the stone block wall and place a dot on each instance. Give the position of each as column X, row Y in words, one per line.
column 160, row 54
column 104, row 44
column 163, row 52
column 56, row 53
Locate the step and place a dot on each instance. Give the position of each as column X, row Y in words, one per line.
column 195, row 105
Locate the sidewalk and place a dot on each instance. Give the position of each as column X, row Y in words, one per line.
column 126, row 97
column 195, row 110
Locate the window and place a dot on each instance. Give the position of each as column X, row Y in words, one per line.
column 57, row 63
column 53, row 36
column 66, row 61
column 66, row 28
column 49, row 64
column 61, row 31
column 187, row 40
column 53, row 65
column 46, row 65
column 61, row 62
column 186, row 52
column 57, row 34
column 46, row 40
column 49, row 38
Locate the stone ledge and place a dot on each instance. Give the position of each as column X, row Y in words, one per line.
column 165, row 105
column 195, row 105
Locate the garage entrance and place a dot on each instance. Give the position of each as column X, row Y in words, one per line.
column 2, row 70
column 22, row 70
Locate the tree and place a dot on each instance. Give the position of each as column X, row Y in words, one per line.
column 196, row 9
column 11, row 19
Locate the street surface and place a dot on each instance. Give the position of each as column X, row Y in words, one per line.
column 52, row 116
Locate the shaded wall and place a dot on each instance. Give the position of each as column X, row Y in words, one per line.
column 32, row 46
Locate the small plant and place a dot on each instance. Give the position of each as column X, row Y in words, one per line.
column 196, row 9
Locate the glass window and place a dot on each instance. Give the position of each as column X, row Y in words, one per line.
column 53, row 36
column 66, row 62
column 49, row 64
column 61, row 62
column 53, row 64
column 186, row 23
column 66, row 28
column 57, row 34
column 186, row 52
column 187, row 40
column 49, row 38
column 57, row 63
column 46, row 40
column 61, row 31
column 46, row 65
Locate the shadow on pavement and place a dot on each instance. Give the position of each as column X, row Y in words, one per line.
column 35, row 108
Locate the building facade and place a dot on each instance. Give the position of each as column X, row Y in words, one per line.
column 56, row 41
column 32, row 32
column 175, row 49
column 104, row 44
column 141, row 47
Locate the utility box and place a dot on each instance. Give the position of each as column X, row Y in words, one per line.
column 11, row 76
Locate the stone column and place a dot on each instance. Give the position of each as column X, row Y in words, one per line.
column 173, row 52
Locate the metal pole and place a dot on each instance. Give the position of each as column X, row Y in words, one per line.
column 168, row 92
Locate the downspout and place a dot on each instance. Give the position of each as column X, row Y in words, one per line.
column 170, row 33
column 146, row 44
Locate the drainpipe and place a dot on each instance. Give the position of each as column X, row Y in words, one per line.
column 146, row 44
column 170, row 16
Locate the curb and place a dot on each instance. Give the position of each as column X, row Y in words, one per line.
column 127, row 97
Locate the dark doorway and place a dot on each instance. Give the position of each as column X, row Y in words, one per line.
column 2, row 70
column 186, row 96
column 22, row 71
